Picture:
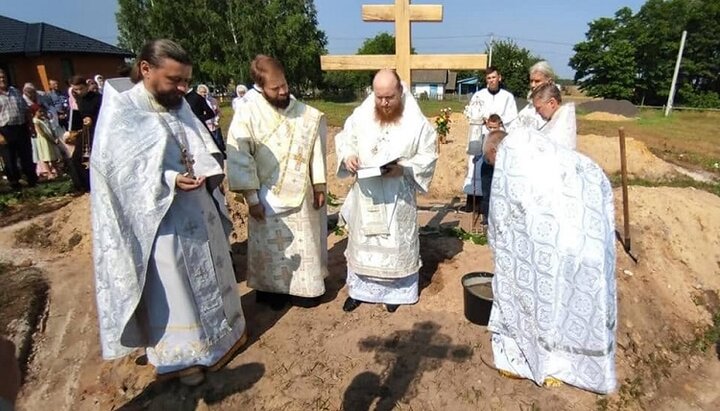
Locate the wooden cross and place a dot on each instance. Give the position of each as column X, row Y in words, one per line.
column 403, row 13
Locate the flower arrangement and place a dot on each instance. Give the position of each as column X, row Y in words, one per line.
column 442, row 124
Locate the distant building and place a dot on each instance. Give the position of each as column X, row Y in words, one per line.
column 433, row 84
column 469, row 85
column 37, row 52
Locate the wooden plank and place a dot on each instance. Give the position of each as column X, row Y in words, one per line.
column 448, row 61
column 357, row 62
column 402, row 39
column 418, row 12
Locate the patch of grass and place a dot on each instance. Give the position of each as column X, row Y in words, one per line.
column 686, row 137
column 680, row 182
column 461, row 234
column 710, row 337
column 31, row 196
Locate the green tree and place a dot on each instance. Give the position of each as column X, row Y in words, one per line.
column 605, row 63
column 223, row 36
column 514, row 63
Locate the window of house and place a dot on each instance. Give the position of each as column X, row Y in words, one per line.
column 67, row 68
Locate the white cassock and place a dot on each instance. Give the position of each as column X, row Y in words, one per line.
column 483, row 104
column 562, row 127
column 383, row 251
column 552, row 232
column 279, row 156
column 164, row 277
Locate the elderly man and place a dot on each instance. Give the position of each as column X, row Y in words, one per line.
column 560, row 125
column 213, row 123
column 552, row 232
column 389, row 145
column 276, row 159
column 164, row 277
column 15, row 141
column 486, row 102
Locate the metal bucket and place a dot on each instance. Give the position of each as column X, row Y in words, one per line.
column 477, row 297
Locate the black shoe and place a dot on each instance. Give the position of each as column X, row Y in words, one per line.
column 351, row 304
column 391, row 308
column 305, row 302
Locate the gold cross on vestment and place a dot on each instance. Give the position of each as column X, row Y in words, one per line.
column 299, row 160
column 279, row 240
column 403, row 13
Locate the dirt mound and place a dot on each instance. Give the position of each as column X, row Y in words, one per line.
column 602, row 116
column 667, row 299
column 641, row 162
column 621, row 107
column 69, row 229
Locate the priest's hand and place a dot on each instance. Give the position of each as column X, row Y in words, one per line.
column 257, row 212
column 186, row 183
column 352, row 163
column 392, row 170
column 319, row 199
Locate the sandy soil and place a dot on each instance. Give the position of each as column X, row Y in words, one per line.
column 423, row 357
column 601, row 116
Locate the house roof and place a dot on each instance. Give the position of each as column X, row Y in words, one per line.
column 17, row 37
column 429, row 76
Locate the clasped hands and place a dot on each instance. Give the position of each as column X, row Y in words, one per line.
column 352, row 163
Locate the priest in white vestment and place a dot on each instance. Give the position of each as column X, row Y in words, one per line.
column 164, row 278
column 391, row 149
column 276, row 159
column 486, row 102
column 552, row 232
column 559, row 124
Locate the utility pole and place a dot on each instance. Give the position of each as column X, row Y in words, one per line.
column 671, row 96
column 492, row 40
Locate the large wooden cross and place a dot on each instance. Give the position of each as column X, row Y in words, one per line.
column 403, row 13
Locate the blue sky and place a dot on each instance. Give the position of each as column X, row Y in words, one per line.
column 549, row 28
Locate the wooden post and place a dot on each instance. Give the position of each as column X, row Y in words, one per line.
column 403, row 13
column 626, row 207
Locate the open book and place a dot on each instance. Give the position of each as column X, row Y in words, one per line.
column 377, row 171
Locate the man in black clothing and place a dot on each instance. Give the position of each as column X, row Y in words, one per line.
column 203, row 111
column 88, row 103
column 199, row 106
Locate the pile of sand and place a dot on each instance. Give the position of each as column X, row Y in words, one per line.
column 640, row 161
column 67, row 230
column 666, row 299
column 621, row 107
column 602, row 116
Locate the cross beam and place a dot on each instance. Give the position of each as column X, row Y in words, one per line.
column 403, row 13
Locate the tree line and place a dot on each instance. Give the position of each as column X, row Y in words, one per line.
column 223, row 36
column 632, row 56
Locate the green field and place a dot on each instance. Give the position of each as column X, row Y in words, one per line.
column 688, row 138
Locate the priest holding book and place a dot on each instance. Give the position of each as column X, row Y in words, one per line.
column 389, row 146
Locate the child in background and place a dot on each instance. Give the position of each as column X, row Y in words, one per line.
column 47, row 149
column 493, row 123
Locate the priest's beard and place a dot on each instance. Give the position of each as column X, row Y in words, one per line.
column 388, row 115
column 170, row 100
column 278, row 102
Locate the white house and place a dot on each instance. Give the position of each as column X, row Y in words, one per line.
column 433, row 84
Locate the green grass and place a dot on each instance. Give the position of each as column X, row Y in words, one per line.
column 680, row 182
column 31, row 196
column 689, row 138
column 337, row 113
